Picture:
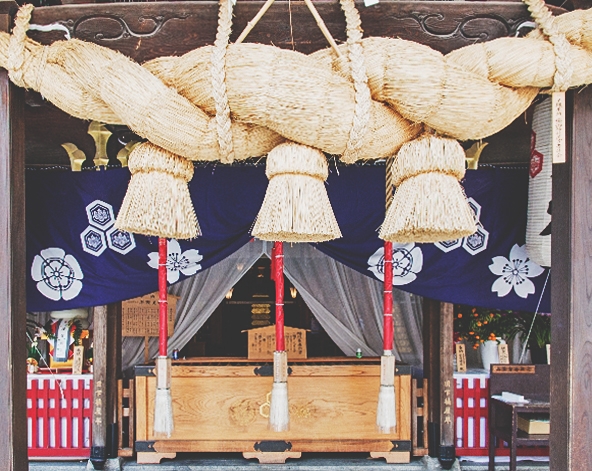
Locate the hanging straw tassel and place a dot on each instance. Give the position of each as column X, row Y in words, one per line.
column 296, row 207
column 157, row 202
column 386, row 416
column 279, row 414
column 163, row 403
column 429, row 204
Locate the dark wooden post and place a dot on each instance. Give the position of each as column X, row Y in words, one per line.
column 13, row 386
column 113, row 375
column 438, row 326
column 431, row 370
column 98, row 454
column 571, row 298
column 447, row 452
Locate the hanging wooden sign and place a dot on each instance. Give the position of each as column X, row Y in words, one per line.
column 78, row 360
column 461, row 358
column 558, row 117
column 261, row 343
column 503, row 353
column 139, row 316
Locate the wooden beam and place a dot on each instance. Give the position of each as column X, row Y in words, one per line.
column 144, row 31
column 13, row 386
column 571, row 299
column 447, row 452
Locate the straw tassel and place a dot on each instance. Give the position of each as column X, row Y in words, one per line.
column 429, row 204
column 279, row 413
column 296, row 207
column 386, row 416
column 157, row 202
column 163, row 403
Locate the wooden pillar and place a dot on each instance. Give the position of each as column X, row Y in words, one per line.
column 431, row 371
column 438, row 342
column 13, row 386
column 113, row 374
column 98, row 454
column 447, row 452
column 571, row 298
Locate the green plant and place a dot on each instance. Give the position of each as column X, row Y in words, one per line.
column 476, row 325
column 540, row 335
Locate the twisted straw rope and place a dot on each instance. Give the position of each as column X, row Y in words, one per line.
column 219, row 92
column 563, row 66
column 170, row 106
column 16, row 47
column 357, row 67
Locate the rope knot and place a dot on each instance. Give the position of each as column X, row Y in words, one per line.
column 16, row 46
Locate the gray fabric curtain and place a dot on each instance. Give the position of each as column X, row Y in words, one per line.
column 199, row 296
column 347, row 304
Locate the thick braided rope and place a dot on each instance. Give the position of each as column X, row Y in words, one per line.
column 389, row 186
column 546, row 22
column 220, row 95
column 16, row 47
column 360, row 78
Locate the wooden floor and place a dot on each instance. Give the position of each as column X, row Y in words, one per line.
column 309, row 462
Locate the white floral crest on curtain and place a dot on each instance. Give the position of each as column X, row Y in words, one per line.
column 58, row 275
column 407, row 263
column 514, row 273
column 177, row 261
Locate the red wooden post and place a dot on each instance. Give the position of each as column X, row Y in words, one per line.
column 280, row 344
column 163, row 327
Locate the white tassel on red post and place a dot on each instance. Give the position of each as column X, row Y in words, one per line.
column 279, row 413
column 386, row 416
column 163, row 402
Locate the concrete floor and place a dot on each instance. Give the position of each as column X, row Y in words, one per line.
column 308, row 462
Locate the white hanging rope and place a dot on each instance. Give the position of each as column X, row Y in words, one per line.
column 42, row 358
column 533, row 319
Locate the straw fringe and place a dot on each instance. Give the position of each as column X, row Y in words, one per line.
column 279, row 412
column 164, row 424
column 386, row 415
column 429, row 204
column 296, row 207
column 157, row 201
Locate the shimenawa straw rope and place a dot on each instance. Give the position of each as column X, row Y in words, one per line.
column 276, row 94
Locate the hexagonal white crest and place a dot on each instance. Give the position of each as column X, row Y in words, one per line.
column 476, row 207
column 476, row 242
column 121, row 241
column 100, row 214
column 449, row 245
column 93, row 241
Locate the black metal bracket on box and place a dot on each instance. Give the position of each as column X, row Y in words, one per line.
column 144, row 447
column 401, row 445
column 144, row 370
column 272, row 446
column 267, row 370
column 447, row 456
column 98, row 457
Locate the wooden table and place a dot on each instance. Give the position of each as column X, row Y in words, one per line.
column 503, row 424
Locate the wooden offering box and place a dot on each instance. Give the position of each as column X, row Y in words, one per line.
column 221, row 405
